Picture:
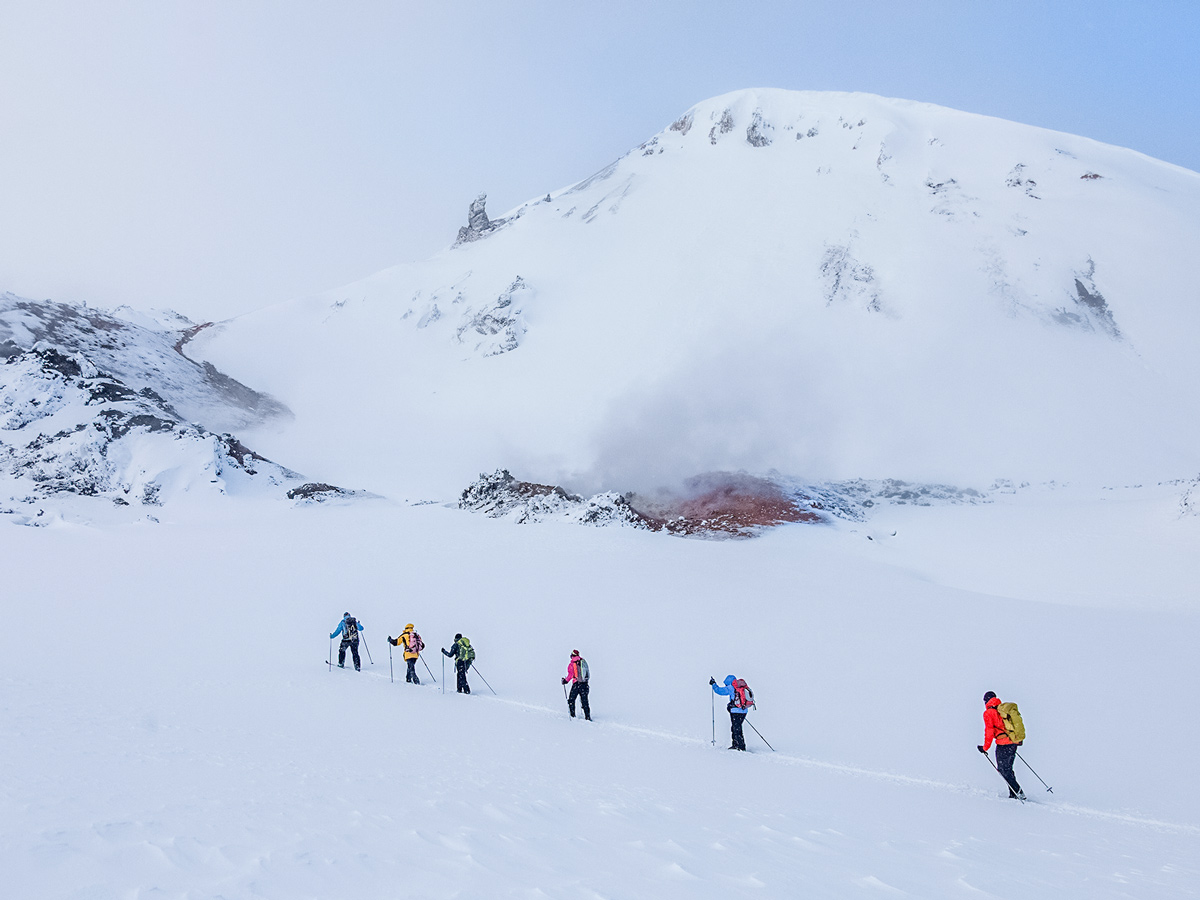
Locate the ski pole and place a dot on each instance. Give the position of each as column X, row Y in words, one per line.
column 756, row 731
column 1006, row 781
column 713, row 697
column 443, row 673
column 368, row 649
column 565, row 697
column 485, row 681
column 330, row 660
column 391, row 672
column 430, row 671
column 1035, row 774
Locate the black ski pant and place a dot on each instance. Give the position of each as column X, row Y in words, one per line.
column 735, row 727
column 1006, row 755
column 460, row 670
column 353, row 645
column 411, row 674
column 579, row 689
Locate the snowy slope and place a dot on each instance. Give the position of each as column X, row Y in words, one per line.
column 142, row 350
column 175, row 732
column 100, row 416
column 828, row 285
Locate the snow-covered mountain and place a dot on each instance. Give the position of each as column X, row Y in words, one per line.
column 108, row 406
column 826, row 285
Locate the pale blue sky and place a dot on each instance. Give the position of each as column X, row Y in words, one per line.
column 216, row 157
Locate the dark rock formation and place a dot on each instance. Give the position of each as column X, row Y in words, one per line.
column 478, row 224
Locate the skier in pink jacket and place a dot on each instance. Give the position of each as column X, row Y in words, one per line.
column 577, row 673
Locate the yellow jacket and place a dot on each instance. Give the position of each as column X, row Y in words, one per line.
column 405, row 639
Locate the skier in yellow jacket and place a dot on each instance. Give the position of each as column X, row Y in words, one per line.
column 413, row 645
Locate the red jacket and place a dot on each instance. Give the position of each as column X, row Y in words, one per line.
column 993, row 725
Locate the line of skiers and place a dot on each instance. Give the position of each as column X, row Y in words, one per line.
column 461, row 652
column 1002, row 723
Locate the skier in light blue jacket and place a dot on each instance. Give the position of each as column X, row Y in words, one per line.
column 740, row 701
column 348, row 628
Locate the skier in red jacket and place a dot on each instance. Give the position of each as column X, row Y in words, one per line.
column 1006, row 750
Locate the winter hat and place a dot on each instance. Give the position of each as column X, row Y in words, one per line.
column 408, row 627
column 574, row 652
column 458, row 637
column 988, row 696
column 345, row 615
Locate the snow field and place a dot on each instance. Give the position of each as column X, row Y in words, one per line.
column 172, row 730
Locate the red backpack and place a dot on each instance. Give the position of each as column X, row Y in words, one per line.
column 415, row 644
column 743, row 697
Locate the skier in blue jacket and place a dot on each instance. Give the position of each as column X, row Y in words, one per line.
column 348, row 628
column 738, row 706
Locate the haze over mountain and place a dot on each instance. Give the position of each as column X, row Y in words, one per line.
column 827, row 285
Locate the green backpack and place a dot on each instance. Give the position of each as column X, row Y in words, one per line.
column 467, row 652
column 1011, row 717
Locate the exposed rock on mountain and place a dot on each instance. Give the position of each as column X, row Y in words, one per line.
column 716, row 504
column 106, row 406
column 140, row 351
column 478, row 224
column 1090, row 309
column 501, row 496
column 1189, row 501
column 758, row 132
column 499, row 326
column 67, row 428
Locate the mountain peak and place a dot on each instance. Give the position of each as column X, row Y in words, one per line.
column 825, row 284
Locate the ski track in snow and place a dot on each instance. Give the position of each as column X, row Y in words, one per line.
column 776, row 758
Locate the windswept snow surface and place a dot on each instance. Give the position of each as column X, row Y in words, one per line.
column 171, row 728
column 827, row 285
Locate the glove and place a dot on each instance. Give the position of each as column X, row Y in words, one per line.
column 712, row 681
column 391, row 641
column 980, row 748
column 332, row 636
column 564, row 681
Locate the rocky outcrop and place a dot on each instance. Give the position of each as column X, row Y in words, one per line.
column 723, row 504
column 713, row 505
column 724, row 126
column 758, row 132
column 502, row 496
column 68, row 428
column 1089, row 309
column 1189, row 501
column 478, row 224
column 848, row 281
column 319, row 492
column 105, row 406
column 498, row 327
column 141, row 352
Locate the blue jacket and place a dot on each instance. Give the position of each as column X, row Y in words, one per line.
column 342, row 624
column 726, row 690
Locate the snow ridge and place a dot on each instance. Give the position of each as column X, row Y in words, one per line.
column 70, row 429
column 140, row 351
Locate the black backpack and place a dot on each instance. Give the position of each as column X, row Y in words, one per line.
column 351, row 629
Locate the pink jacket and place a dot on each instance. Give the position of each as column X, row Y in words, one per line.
column 573, row 669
